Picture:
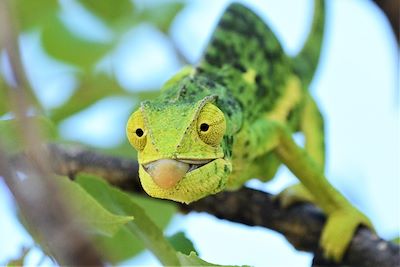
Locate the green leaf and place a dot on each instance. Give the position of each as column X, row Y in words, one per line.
column 194, row 260
column 89, row 212
column 142, row 227
column 10, row 132
column 4, row 102
column 36, row 13
column 160, row 211
column 181, row 243
column 62, row 44
column 19, row 260
column 109, row 10
column 162, row 15
column 91, row 89
column 122, row 246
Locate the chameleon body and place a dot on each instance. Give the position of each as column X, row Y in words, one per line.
column 231, row 118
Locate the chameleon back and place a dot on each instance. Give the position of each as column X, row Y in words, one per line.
column 245, row 57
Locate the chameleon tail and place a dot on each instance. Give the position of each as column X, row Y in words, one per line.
column 306, row 62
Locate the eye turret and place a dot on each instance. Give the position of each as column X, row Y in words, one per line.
column 211, row 125
column 136, row 131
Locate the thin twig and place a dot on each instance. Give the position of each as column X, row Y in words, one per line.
column 300, row 224
column 33, row 186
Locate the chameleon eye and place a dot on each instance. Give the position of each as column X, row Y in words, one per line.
column 211, row 125
column 136, row 131
column 139, row 132
column 204, row 127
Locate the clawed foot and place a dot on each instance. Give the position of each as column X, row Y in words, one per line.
column 339, row 230
column 340, row 225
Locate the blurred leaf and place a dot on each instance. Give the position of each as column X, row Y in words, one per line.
column 122, row 246
column 125, row 244
column 31, row 14
column 396, row 240
column 91, row 89
column 10, row 132
column 142, row 227
column 109, row 10
column 181, row 243
column 89, row 212
column 162, row 15
column 60, row 43
column 19, row 260
column 4, row 107
column 194, row 260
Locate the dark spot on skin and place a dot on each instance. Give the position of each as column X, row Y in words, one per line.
column 210, row 59
column 219, row 184
column 199, row 70
column 183, row 91
column 210, row 83
column 239, row 66
column 245, row 155
column 219, row 45
column 247, row 143
column 261, row 91
column 258, row 79
column 252, row 55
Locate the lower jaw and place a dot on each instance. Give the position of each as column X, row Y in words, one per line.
column 197, row 184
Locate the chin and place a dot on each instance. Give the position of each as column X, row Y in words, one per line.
column 201, row 182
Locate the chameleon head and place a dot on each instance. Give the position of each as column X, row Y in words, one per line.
column 180, row 149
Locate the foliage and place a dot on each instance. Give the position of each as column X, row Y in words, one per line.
column 122, row 225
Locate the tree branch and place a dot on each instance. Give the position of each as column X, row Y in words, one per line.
column 391, row 9
column 300, row 224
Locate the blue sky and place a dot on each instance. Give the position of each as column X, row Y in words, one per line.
column 356, row 87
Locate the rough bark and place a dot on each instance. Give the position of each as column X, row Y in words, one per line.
column 301, row 224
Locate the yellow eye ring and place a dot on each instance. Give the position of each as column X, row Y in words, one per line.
column 211, row 125
column 136, row 131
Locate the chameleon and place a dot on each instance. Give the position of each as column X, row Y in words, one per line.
column 232, row 117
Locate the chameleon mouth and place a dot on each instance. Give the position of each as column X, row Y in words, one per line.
column 166, row 173
column 195, row 164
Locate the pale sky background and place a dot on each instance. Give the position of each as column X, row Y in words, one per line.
column 356, row 87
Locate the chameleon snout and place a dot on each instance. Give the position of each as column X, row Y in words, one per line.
column 166, row 173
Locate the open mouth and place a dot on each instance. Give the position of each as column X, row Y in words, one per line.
column 166, row 173
column 195, row 164
column 188, row 164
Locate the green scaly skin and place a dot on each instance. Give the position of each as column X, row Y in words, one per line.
column 263, row 96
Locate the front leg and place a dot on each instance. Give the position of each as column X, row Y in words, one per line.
column 342, row 218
